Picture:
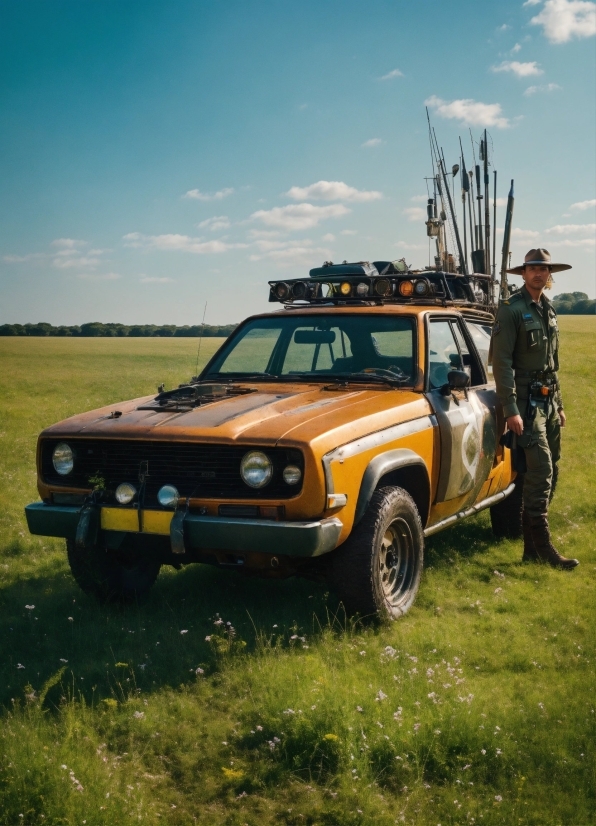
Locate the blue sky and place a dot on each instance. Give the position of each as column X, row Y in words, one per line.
column 155, row 156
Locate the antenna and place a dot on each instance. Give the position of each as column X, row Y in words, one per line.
column 200, row 340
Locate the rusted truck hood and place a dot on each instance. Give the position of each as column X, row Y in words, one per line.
column 273, row 413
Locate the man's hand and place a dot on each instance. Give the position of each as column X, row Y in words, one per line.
column 562, row 417
column 516, row 424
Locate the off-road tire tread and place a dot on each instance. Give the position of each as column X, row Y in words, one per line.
column 351, row 570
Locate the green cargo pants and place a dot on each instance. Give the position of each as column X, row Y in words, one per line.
column 541, row 441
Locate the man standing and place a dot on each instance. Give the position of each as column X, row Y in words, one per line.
column 525, row 351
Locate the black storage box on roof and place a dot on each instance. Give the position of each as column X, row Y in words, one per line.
column 362, row 268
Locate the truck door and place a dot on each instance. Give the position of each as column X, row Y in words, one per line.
column 466, row 420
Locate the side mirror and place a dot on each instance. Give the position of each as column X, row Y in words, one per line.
column 458, row 379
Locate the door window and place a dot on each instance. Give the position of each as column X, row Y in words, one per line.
column 444, row 353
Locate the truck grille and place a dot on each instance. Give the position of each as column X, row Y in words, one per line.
column 196, row 470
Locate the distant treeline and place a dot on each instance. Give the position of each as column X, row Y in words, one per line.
column 574, row 304
column 96, row 329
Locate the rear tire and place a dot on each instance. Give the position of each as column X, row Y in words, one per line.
column 506, row 516
column 377, row 570
column 112, row 576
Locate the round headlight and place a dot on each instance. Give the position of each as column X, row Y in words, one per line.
column 63, row 459
column 421, row 287
column 256, row 469
column 383, row 286
column 125, row 493
column 299, row 289
column 168, row 496
column 362, row 289
column 406, row 288
column 292, row 475
column 282, row 291
column 345, row 288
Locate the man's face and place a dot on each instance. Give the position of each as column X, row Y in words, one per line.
column 536, row 276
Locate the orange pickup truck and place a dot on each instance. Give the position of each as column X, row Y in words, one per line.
column 328, row 438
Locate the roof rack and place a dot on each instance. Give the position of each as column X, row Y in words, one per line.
column 385, row 282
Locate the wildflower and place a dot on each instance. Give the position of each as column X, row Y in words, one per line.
column 397, row 714
column 498, row 798
column 467, row 766
column 289, row 711
column 29, row 607
column 380, row 696
column 541, row 705
column 499, row 751
column 232, row 774
column 416, row 726
column 483, row 751
column 199, row 671
column 312, row 708
column 208, row 639
column 331, row 737
column 359, row 708
column 437, row 731
column 20, row 665
column 62, row 660
column 71, row 619
column 185, row 631
column 259, row 728
column 362, row 653
column 242, row 794
column 294, row 637
column 218, row 622
column 138, row 715
column 498, row 590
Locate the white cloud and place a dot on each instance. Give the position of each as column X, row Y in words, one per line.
column 419, row 198
column 520, row 69
column 563, row 20
column 524, row 234
column 292, row 254
column 20, row 259
column 150, row 279
column 516, row 48
column 91, row 276
column 177, row 243
column 572, row 229
column 332, row 191
column 216, row 223
column 264, row 233
column 469, row 112
column 415, row 213
column 548, row 87
column 587, row 243
column 298, row 216
column 329, row 237
column 67, row 243
column 392, row 74
column 197, row 195
column 532, row 2
column 349, row 232
column 72, row 262
column 582, row 205
column 372, row 142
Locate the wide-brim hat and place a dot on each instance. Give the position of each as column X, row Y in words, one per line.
column 538, row 256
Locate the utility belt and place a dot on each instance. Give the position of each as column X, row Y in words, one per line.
column 540, row 384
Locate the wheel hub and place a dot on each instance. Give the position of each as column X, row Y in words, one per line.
column 396, row 561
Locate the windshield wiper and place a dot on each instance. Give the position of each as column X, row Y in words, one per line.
column 366, row 378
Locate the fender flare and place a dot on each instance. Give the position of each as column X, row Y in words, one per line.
column 377, row 468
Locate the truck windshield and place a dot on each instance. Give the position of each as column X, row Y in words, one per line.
column 321, row 347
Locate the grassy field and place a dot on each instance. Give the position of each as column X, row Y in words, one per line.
column 477, row 708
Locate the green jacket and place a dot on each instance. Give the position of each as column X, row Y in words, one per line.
column 525, row 339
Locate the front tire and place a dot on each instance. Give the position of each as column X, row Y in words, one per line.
column 112, row 576
column 377, row 570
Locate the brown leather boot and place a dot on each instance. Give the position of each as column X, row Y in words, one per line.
column 530, row 554
column 544, row 549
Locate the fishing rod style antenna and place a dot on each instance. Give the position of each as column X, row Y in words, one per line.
column 443, row 172
column 495, row 226
column 484, row 155
column 505, row 262
column 201, row 339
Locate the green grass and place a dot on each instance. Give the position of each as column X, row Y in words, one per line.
column 477, row 707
